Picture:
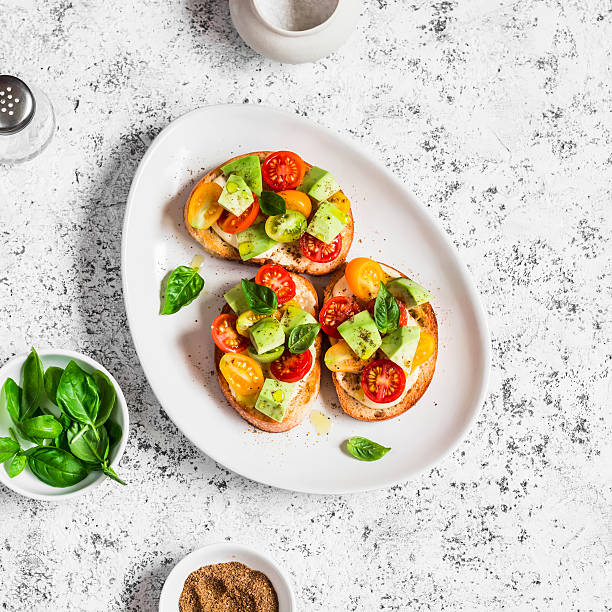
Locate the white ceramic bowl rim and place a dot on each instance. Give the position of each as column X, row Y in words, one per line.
column 122, row 405
column 296, row 33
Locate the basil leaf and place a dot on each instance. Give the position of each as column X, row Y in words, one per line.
column 261, row 300
column 8, row 447
column 115, row 433
column 16, row 466
column 77, row 395
column 43, row 427
column 108, row 396
column 271, row 203
column 386, row 311
column 55, row 466
column 10, row 398
column 52, row 378
column 365, row 450
column 302, row 337
column 88, row 445
column 183, row 286
column 33, row 385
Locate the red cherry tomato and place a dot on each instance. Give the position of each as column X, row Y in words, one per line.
column 278, row 279
column 283, row 170
column 403, row 320
column 319, row 252
column 232, row 224
column 383, row 381
column 225, row 336
column 335, row 311
column 291, row 368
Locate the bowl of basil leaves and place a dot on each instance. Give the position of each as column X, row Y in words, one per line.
column 63, row 425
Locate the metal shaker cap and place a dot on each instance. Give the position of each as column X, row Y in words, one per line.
column 17, row 104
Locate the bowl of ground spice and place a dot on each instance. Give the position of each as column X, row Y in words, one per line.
column 227, row 577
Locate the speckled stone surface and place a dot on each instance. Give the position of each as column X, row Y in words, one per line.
column 497, row 113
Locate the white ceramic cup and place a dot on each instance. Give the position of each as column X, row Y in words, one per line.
column 293, row 46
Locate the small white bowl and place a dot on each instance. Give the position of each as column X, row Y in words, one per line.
column 26, row 483
column 224, row 552
column 294, row 46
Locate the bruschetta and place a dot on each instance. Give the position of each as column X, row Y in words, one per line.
column 272, row 207
column 384, row 339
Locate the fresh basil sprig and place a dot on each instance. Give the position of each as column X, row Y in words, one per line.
column 261, row 300
column 183, row 286
column 364, row 449
column 77, row 395
column 386, row 311
column 271, row 203
column 302, row 337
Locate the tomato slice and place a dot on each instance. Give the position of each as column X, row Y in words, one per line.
column 243, row 374
column 278, row 279
column 363, row 276
column 290, row 367
column 283, row 170
column 203, row 208
column 403, row 320
column 225, row 336
column 425, row 349
column 335, row 311
column 232, row 224
column 316, row 250
column 383, row 381
column 340, row 358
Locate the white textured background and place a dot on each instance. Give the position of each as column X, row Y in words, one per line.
column 497, row 113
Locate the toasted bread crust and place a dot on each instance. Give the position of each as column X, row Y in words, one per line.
column 426, row 318
column 301, row 403
column 214, row 245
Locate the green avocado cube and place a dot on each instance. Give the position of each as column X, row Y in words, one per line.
column 319, row 184
column 411, row 293
column 236, row 300
column 294, row 316
column 327, row 222
column 236, row 196
column 361, row 334
column 266, row 335
column 254, row 241
column 401, row 344
column 249, row 169
column 274, row 398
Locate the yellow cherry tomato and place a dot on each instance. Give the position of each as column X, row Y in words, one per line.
column 425, row 349
column 246, row 320
column 204, row 208
column 363, row 276
column 340, row 358
column 243, row 374
column 296, row 200
column 339, row 200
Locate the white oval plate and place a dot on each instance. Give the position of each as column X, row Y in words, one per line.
column 225, row 552
column 26, row 483
column 176, row 351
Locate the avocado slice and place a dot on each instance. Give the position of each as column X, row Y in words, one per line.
column 274, row 398
column 361, row 334
column 236, row 196
column 254, row 241
column 327, row 222
column 236, row 300
column 319, row 184
column 266, row 335
column 401, row 344
column 294, row 316
column 249, row 169
column 411, row 293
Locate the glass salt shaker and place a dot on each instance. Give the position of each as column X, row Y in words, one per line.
column 27, row 121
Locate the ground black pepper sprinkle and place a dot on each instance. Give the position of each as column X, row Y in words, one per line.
column 228, row 587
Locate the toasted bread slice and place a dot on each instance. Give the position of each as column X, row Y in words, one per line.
column 289, row 255
column 306, row 297
column 426, row 318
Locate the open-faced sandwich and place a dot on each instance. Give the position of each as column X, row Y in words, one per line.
column 268, row 348
column 384, row 337
column 272, row 207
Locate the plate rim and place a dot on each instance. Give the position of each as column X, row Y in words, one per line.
column 481, row 319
